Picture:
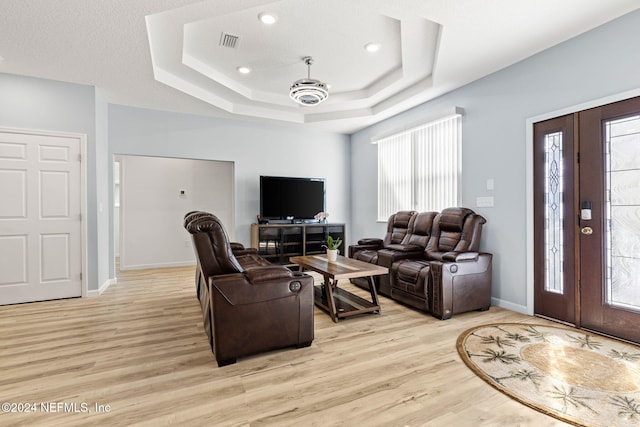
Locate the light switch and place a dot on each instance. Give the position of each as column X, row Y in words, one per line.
column 490, row 184
column 484, row 202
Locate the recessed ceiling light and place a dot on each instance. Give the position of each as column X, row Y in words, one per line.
column 244, row 70
column 1, row 59
column 372, row 47
column 267, row 18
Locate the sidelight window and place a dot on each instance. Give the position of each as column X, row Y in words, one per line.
column 553, row 211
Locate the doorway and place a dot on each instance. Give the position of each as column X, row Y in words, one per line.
column 151, row 197
column 587, row 218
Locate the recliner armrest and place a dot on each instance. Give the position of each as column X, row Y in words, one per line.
column 266, row 273
column 460, row 286
column 370, row 241
column 387, row 257
column 236, row 246
column 245, row 251
column 353, row 249
column 404, row 248
column 460, row 256
column 238, row 249
column 236, row 289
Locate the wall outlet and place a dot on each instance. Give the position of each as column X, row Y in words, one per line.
column 484, row 202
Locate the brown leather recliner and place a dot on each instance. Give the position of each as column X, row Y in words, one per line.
column 248, row 310
column 247, row 257
column 367, row 249
column 411, row 247
column 452, row 277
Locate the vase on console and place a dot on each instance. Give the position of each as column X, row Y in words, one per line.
column 321, row 217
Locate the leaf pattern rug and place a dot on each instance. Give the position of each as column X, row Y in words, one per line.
column 570, row 374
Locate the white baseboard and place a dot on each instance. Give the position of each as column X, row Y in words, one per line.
column 104, row 287
column 162, row 265
column 509, row 305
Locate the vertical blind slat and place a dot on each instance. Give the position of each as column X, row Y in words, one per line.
column 420, row 169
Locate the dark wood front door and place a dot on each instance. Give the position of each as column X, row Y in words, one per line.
column 610, row 241
column 554, row 274
column 587, row 219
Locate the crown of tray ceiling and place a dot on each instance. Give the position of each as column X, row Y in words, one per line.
column 197, row 49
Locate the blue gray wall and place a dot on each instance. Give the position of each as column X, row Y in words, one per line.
column 31, row 103
column 597, row 64
column 256, row 149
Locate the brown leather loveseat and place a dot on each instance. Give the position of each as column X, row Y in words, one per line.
column 448, row 275
column 248, row 305
column 407, row 235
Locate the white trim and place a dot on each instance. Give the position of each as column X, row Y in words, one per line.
column 104, row 287
column 83, row 212
column 529, row 172
column 83, row 191
column 425, row 121
column 509, row 305
column 161, row 265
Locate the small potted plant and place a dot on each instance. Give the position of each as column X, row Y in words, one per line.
column 332, row 248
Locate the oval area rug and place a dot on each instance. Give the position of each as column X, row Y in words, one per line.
column 570, row 374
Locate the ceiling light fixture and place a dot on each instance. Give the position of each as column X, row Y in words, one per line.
column 244, row 70
column 267, row 18
column 372, row 47
column 308, row 91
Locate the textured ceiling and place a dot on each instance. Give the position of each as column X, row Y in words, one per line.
column 165, row 54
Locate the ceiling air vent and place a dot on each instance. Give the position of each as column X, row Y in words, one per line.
column 228, row 40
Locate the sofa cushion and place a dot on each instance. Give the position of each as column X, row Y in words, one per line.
column 420, row 229
column 397, row 227
column 412, row 276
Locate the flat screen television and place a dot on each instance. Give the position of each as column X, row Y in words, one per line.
column 283, row 198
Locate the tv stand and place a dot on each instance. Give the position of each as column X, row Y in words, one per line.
column 277, row 242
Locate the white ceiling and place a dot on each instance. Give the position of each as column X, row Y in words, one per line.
column 165, row 54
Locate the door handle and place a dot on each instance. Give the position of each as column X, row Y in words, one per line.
column 586, row 230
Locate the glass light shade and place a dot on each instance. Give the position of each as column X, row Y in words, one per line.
column 308, row 92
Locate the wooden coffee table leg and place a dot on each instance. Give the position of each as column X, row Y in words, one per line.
column 333, row 311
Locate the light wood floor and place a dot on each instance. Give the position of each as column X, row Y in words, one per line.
column 140, row 348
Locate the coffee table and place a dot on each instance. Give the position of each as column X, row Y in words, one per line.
column 339, row 302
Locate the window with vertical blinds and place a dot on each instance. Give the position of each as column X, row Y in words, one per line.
column 420, row 169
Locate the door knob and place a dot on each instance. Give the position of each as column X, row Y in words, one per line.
column 586, row 230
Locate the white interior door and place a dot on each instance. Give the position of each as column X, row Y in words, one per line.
column 40, row 217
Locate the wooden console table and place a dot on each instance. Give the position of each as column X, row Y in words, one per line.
column 340, row 303
column 278, row 242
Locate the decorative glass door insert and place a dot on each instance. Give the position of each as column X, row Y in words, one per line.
column 554, row 218
column 622, row 212
column 554, row 227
